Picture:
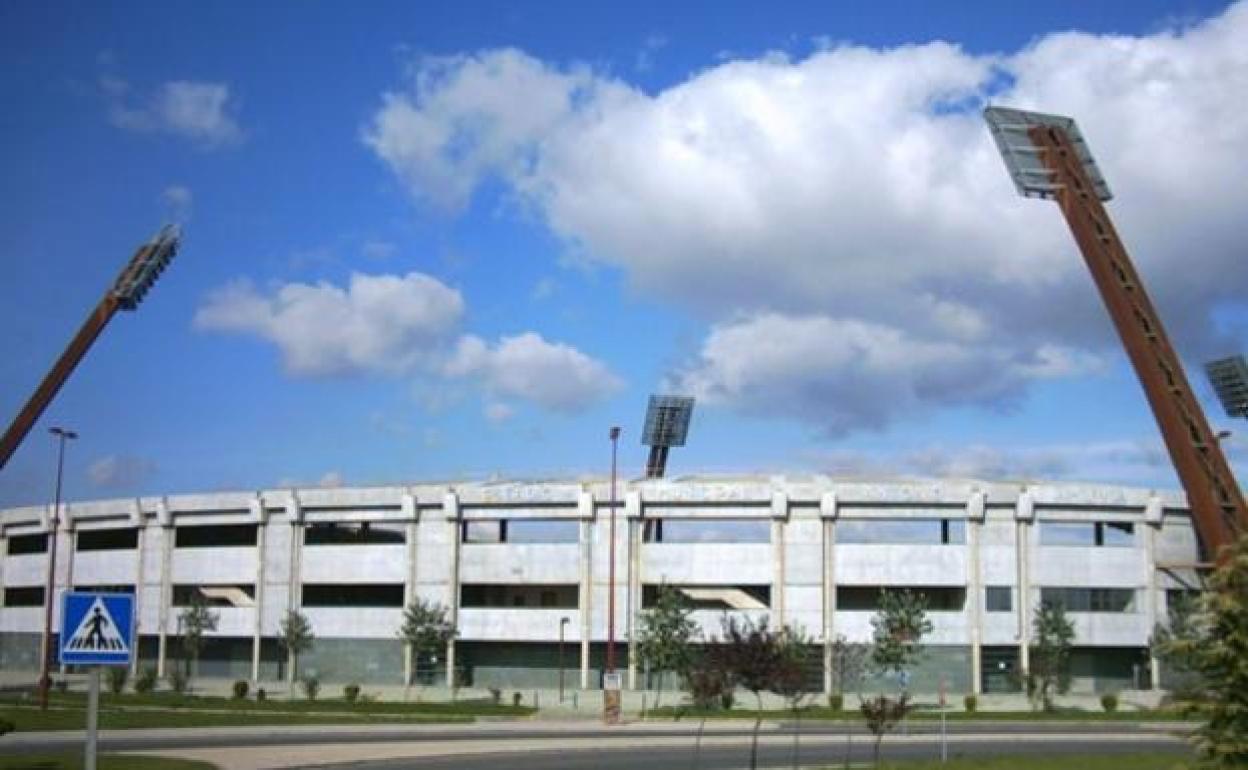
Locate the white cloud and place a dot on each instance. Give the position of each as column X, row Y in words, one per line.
column 384, row 323
column 177, row 200
column 119, row 471
column 860, row 186
column 330, row 480
column 847, row 374
column 552, row 375
column 498, row 412
column 199, row 111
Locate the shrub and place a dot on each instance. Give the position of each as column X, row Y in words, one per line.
column 145, row 682
column 971, row 702
column 261, row 695
column 496, row 696
column 311, row 686
column 351, row 693
column 516, row 699
column 1109, row 702
column 177, row 680
column 6, row 726
column 836, row 702
column 117, row 679
column 240, row 689
column 61, row 685
column 726, row 699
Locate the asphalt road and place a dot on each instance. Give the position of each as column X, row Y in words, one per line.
column 823, row 754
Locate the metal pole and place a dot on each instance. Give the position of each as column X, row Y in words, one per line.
column 562, row 623
column 93, row 718
column 615, row 437
column 49, row 591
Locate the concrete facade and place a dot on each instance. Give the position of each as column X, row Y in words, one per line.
column 815, row 550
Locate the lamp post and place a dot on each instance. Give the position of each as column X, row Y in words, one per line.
column 45, row 679
column 563, row 623
column 615, row 440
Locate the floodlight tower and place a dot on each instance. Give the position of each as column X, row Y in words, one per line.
column 148, row 262
column 1229, row 377
column 667, row 425
column 1048, row 158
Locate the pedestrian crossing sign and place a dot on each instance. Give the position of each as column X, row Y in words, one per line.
column 97, row 629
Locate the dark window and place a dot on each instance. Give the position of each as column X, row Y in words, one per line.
column 521, row 531
column 730, row 597
column 107, row 539
column 355, row 533
column 537, row 596
column 352, row 595
column 29, row 596
column 107, row 588
column 1091, row 599
column 235, row 595
column 707, row 531
column 901, row 531
column 20, row 544
column 867, row 598
column 215, row 536
column 1093, row 533
column 999, row 599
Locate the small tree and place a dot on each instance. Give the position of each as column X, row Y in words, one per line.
column 1214, row 646
column 754, row 654
column 196, row 620
column 898, row 628
column 1050, row 657
column 295, row 637
column 426, row 629
column 665, row 635
column 790, row 677
column 849, row 665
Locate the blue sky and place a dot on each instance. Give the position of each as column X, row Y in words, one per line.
column 431, row 242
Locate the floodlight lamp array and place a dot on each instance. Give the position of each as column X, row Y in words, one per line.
column 145, row 267
column 667, row 421
column 1011, row 130
column 1229, row 377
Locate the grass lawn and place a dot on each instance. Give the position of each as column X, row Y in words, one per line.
column 169, row 700
column 28, row 719
column 1068, row 762
column 105, row 762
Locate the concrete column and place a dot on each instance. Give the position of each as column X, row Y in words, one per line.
column 585, row 507
column 632, row 514
column 779, row 518
column 164, row 519
column 975, row 513
column 136, row 519
column 1153, row 517
column 294, row 514
column 827, row 513
column 258, row 514
column 411, row 512
column 1024, row 513
column 450, row 506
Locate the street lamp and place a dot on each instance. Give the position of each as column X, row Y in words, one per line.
column 45, row 679
column 563, row 623
column 615, row 440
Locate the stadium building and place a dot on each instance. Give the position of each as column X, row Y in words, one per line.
column 523, row 569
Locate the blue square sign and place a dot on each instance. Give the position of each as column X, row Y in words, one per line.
column 97, row 629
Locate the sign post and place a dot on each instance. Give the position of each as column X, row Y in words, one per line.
column 944, row 741
column 97, row 629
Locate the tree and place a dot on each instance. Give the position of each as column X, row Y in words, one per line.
column 665, row 635
column 848, row 665
column 898, row 628
column 295, row 637
column 1214, row 645
column 756, row 657
column 195, row 621
column 426, row 629
column 1050, row 657
column 790, row 678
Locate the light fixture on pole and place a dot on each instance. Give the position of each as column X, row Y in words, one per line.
column 49, row 591
column 667, row 425
column 1229, row 377
column 610, row 679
